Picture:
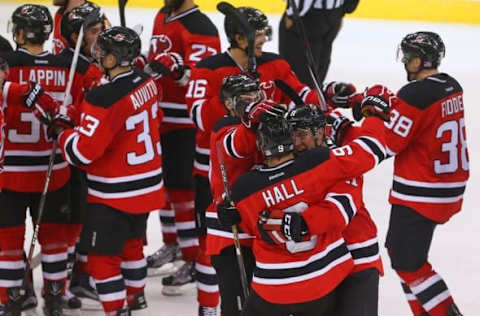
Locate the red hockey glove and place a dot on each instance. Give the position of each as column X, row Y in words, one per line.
column 140, row 61
column 339, row 125
column 377, row 101
column 169, row 64
column 277, row 227
column 39, row 102
column 228, row 214
column 62, row 119
column 337, row 93
column 256, row 111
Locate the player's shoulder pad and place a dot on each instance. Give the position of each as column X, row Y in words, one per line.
column 82, row 64
column 424, row 93
column 255, row 180
column 268, row 57
column 198, row 23
column 216, row 61
column 110, row 93
column 225, row 121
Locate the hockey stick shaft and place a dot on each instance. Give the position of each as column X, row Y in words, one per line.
column 229, row 10
column 288, row 90
column 311, row 65
column 236, row 239
column 121, row 7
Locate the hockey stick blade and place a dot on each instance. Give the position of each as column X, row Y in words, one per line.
column 292, row 94
column 229, row 10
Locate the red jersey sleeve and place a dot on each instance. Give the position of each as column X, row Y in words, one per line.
column 203, row 101
column 87, row 142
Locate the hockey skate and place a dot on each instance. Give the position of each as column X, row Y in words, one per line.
column 139, row 306
column 164, row 261
column 80, row 286
column 207, row 311
column 71, row 304
column 53, row 305
column 180, row 281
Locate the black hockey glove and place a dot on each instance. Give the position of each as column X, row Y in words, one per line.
column 39, row 102
column 277, row 227
column 61, row 120
column 228, row 214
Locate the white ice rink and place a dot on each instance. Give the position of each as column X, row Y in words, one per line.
column 364, row 53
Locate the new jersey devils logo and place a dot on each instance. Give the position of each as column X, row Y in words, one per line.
column 269, row 88
column 160, row 44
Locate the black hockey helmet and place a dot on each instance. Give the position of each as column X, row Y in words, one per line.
column 275, row 136
column 306, row 117
column 256, row 18
column 426, row 45
column 122, row 42
column 35, row 20
column 235, row 86
column 3, row 64
column 73, row 20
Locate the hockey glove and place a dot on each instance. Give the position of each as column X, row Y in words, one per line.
column 337, row 93
column 169, row 64
column 277, row 227
column 62, row 119
column 39, row 102
column 228, row 214
column 254, row 112
column 377, row 101
column 140, row 61
column 339, row 126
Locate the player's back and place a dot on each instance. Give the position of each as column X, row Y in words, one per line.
column 192, row 35
column 27, row 147
column 123, row 117
column 427, row 131
column 319, row 263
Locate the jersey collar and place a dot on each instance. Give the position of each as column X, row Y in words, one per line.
column 122, row 75
column 181, row 15
column 23, row 50
column 79, row 55
column 280, row 166
column 238, row 65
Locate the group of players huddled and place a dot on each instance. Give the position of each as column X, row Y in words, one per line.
column 214, row 142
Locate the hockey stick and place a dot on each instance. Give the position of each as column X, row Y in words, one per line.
column 311, row 65
column 292, row 94
column 236, row 239
column 121, row 7
column 229, row 10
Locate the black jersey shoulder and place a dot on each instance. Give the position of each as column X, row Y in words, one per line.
column 198, row 23
column 110, row 93
column 225, row 121
column 21, row 58
column 258, row 179
column 82, row 64
column 268, row 57
column 424, row 93
column 216, row 61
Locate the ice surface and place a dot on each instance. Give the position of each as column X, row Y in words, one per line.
column 364, row 53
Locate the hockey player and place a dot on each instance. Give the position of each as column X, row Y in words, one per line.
column 203, row 98
column 181, row 37
column 60, row 40
column 358, row 293
column 71, row 23
column 430, row 170
column 5, row 45
column 120, row 123
column 298, row 277
column 27, row 150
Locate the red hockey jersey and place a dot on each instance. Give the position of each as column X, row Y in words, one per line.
column 203, row 95
column 59, row 43
column 427, row 136
column 311, row 269
column 27, row 147
column 118, row 144
column 218, row 236
column 192, row 35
